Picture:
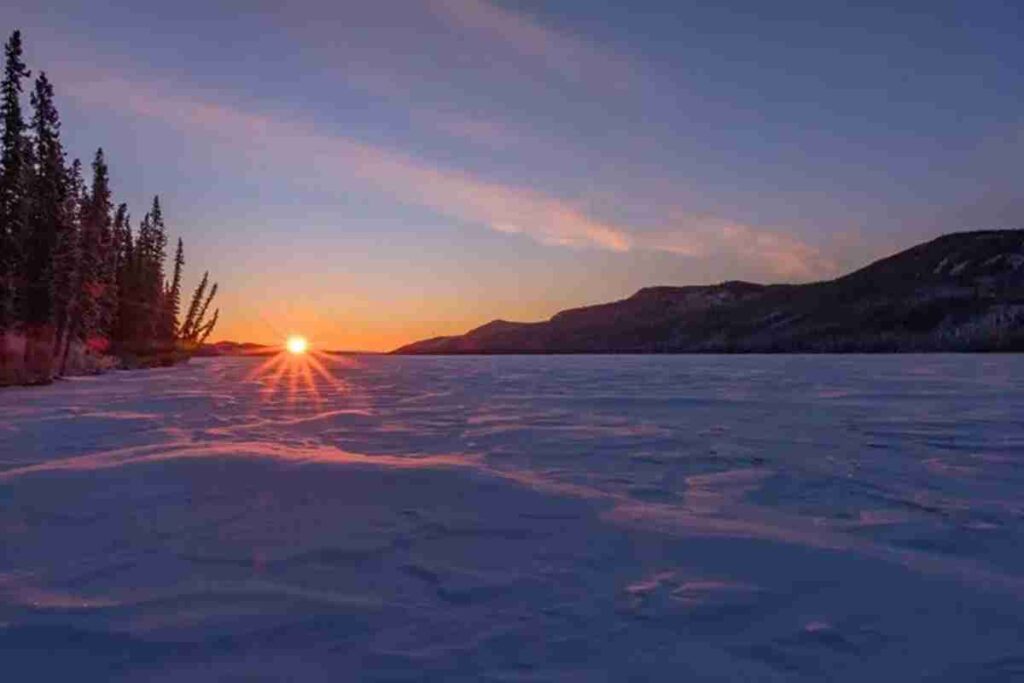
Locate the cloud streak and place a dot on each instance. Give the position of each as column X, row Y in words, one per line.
column 453, row 193
column 561, row 52
column 700, row 236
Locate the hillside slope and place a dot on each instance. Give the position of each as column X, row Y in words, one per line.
column 959, row 292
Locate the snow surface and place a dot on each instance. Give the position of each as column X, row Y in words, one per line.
column 518, row 519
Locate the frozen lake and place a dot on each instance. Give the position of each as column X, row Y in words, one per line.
column 518, row 519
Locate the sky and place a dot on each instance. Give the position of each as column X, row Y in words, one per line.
column 372, row 173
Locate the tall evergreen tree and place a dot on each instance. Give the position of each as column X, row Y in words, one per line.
column 153, row 281
column 47, row 220
column 13, row 173
column 140, row 320
column 158, row 250
column 94, row 245
column 172, row 300
column 191, row 318
column 122, row 236
column 118, row 239
column 124, row 271
column 66, row 258
column 147, row 273
column 102, row 205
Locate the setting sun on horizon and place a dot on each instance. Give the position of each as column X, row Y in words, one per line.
column 296, row 344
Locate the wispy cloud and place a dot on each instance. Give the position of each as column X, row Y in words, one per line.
column 778, row 253
column 559, row 51
column 504, row 208
column 459, row 195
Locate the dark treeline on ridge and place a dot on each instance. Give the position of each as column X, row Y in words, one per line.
column 80, row 289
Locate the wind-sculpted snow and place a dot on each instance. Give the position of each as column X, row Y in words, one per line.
column 518, row 518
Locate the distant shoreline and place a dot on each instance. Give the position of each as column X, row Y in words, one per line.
column 962, row 292
column 491, row 354
column 232, row 348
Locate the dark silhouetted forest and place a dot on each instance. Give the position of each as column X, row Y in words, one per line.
column 81, row 288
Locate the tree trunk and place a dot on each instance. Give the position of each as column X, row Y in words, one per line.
column 72, row 328
column 39, row 354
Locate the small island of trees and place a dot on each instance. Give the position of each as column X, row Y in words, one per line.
column 80, row 289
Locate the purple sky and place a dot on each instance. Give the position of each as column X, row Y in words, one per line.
column 373, row 173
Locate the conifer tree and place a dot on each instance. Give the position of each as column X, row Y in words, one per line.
column 191, row 320
column 66, row 258
column 149, row 255
column 102, row 204
column 172, row 304
column 200, row 317
column 122, row 238
column 123, row 255
column 140, row 320
column 204, row 334
column 13, row 173
column 75, row 208
column 155, row 280
column 47, row 220
column 94, row 244
column 196, row 328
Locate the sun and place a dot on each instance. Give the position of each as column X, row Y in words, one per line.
column 296, row 345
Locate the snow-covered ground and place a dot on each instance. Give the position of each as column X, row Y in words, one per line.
column 518, row 519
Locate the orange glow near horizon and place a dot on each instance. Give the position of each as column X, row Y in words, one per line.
column 340, row 334
column 360, row 323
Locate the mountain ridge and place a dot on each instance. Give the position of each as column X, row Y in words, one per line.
column 958, row 292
